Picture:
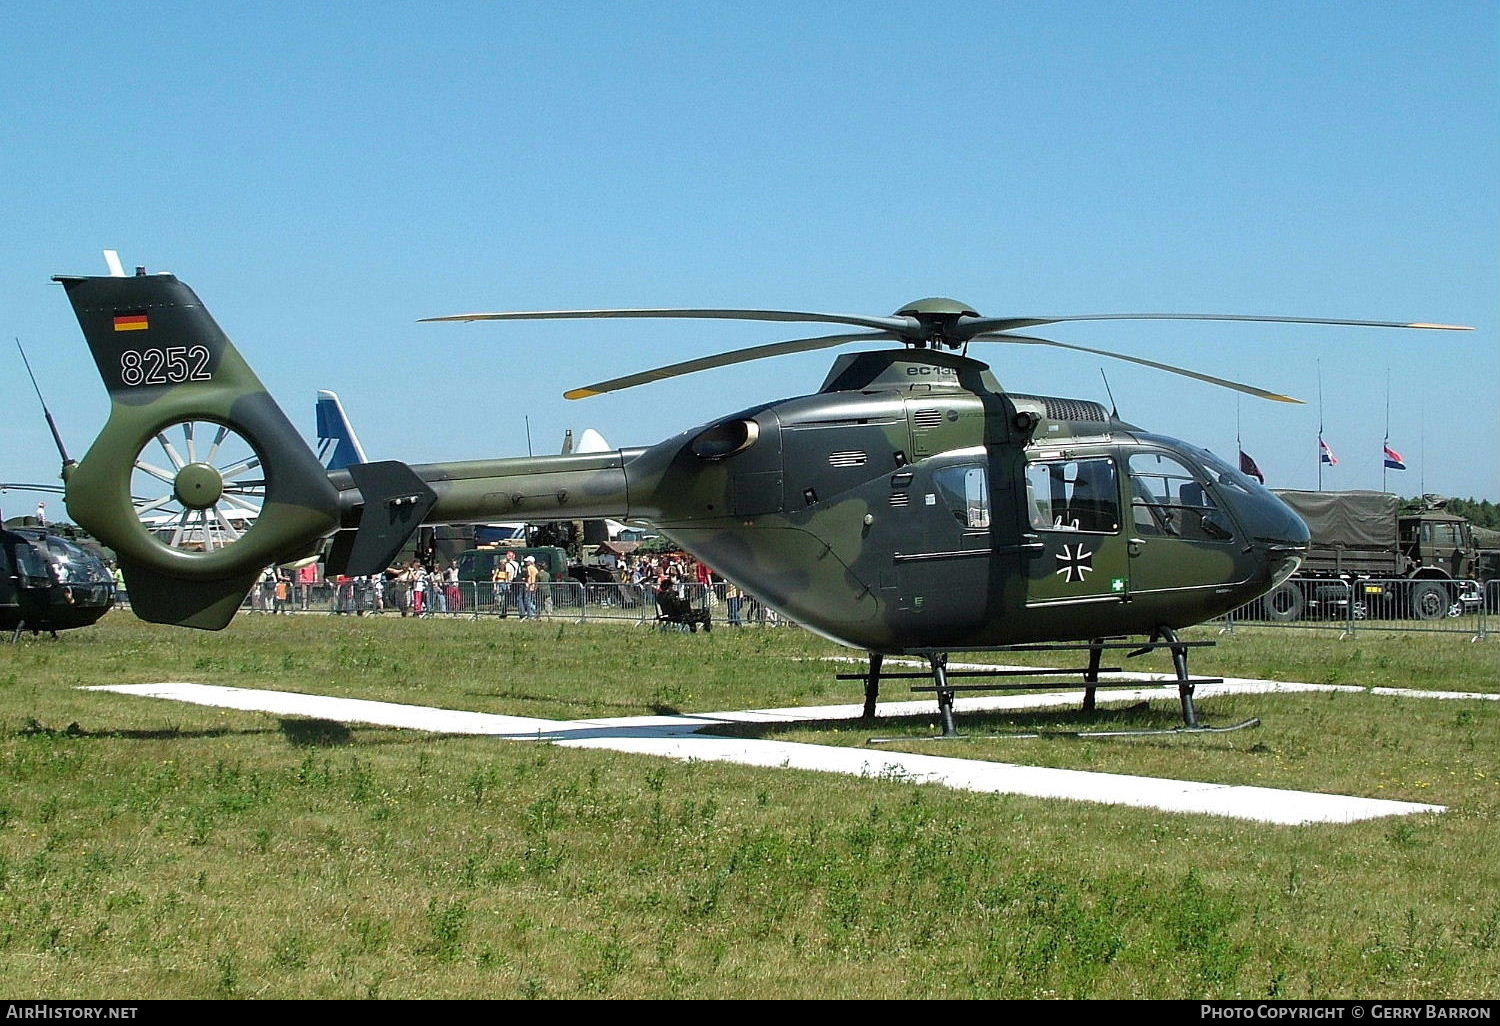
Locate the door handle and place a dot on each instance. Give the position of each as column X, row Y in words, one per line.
column 1134, row 546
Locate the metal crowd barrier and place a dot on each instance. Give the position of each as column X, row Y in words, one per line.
column 609, row 601
column 556, row 600
column 1386, row 604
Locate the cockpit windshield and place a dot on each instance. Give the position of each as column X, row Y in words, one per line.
column 75, row 564
column 1230, row 477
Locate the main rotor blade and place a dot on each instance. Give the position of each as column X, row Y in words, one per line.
column 900, row 325
column 1237, row 386
column 977, row 326
column 796, row 345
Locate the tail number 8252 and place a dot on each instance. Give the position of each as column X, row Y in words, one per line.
column 170, row 366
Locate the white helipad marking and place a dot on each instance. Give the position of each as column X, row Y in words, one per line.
column 676, row 737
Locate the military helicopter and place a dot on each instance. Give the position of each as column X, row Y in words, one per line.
column 49, row 581
column 911, row 506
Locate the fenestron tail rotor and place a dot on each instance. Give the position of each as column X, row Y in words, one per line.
column 926, row 323
column 206, row 484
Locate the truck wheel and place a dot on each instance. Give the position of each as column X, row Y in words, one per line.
column 1429, row 600
column 1285, row 604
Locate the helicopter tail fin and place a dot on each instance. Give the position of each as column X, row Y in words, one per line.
column 198, row 480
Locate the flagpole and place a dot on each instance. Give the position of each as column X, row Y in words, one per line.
column 1387, row 442
column 1320, row 425
column 1239, row 445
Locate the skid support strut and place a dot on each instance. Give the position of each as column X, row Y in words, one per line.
column 1091, row 675
column 1184, row 681
column 944, row 691
column 872, row 684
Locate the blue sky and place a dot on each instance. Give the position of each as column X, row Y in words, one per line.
column 325, row 175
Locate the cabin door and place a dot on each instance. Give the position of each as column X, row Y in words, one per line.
column 1077, row 548
column 943, row 562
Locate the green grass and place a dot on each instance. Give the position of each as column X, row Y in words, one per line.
column 154, row 849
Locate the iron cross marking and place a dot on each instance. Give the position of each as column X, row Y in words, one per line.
column 1073, row 561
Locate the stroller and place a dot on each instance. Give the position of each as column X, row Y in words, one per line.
column 675, row 611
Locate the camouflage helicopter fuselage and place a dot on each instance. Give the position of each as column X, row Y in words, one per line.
column 893, row 511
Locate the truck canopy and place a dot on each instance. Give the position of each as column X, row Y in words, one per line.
column 1351, row 520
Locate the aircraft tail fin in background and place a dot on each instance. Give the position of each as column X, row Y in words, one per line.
column 338, row 445
column 592, row 441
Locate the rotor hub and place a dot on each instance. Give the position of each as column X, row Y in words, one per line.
column 936, row 316
column 936, row 306
column 198, row 486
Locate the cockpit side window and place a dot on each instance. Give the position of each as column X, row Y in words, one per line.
column 30, row 563
column 965, row 491
column 1073, row 495
column 1168, row 499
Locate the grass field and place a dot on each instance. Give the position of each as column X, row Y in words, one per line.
column 154, row 849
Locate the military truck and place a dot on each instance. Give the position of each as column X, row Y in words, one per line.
column 1488, row 544
column 1390, row 560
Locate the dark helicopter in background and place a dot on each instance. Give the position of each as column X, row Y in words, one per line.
column 50, row 580
column 911, row 506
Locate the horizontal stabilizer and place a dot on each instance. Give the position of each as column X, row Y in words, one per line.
column 395, row 502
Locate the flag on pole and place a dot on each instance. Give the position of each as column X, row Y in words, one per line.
column 1247, row 466
column 1325, row 454
column 1393, row 459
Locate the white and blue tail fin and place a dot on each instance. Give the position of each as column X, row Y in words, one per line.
column 592, row 441
column 338, row 445
column 595, row 532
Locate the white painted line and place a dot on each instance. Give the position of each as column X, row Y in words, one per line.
column 1260, row 804
column 344, row 710
column 675, row 737
column 1413, row 693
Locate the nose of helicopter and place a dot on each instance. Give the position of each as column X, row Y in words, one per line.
column 1275, row 532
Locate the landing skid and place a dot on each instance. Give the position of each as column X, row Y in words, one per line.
column 1254, row 721
column 943, row 687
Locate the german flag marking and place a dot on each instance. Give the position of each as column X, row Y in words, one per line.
column 132, row 322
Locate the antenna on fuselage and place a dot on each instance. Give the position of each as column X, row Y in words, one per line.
column 62, row 450
column 1114, row 411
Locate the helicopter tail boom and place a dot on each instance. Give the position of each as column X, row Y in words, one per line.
column 229, row 485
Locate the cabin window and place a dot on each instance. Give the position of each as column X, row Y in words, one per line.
column 966, row 492
column 1167, row 499
column 1439, row 534
column 1073, row 495
column 30, row 564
